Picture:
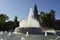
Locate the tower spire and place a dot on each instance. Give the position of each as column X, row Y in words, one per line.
column 35, row 12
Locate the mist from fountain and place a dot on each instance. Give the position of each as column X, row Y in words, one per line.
column 30, row 22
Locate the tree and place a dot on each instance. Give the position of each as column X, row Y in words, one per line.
column 52, row 13
column 3, row 18
column 42, row 18
column 46, row 19
column 9, row 25
column 15, row 21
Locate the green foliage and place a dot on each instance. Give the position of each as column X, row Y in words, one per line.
column 52, row 13
column 3, row 19
column 7, row 25
column 15, row 21
column 42, row 17
column 46, row 19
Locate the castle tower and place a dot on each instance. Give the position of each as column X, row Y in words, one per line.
column 35, row 12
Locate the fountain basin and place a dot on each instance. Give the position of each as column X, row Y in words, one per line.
column 30, row 30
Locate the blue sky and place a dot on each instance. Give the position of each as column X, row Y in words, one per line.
column 21, row 8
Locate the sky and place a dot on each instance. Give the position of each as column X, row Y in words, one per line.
column 20, row 8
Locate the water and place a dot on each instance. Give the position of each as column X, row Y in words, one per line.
column 30, row 21
column 1, row 32
column 30, row 37
column 5, row 31
column 22, row 38
column 57, row 38
column 2, row 39
column 9, row 33
column 45, row 33
column 26, row 33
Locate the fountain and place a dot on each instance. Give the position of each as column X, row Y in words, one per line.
column 22, row 38
column 5, row 31
column 1, row 32
column 9, row 33
column 26, row 33
column 30, row 22
column 31, row 25
column 45, row 33
column 2, row 39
